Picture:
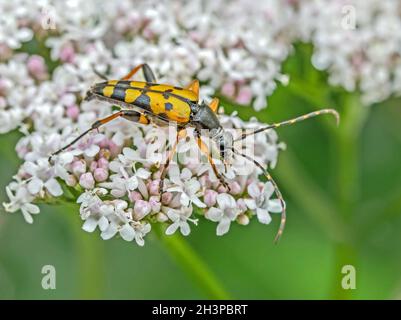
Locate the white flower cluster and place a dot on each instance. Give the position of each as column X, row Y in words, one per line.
column 111, row 173
column 210, row 40
column 115, row 174
column 358, row 42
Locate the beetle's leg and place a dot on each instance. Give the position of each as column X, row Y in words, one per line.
column 128, row 114
column 203, row 147
column 147, row 73
column 214, row 104
column 180, row 134
column 193, row 86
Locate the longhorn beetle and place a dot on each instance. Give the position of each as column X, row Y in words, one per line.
column 149, row 102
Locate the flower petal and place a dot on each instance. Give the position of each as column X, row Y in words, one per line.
column 223, row 226
column 275, row 206
column 35, row 185
column 127, row 232
column 254, row 190
column 90, row 224
column 184, row 228
column 214, row 214
column 172, row 228
column 263, row 216
column 109, row 232
column 54, row 187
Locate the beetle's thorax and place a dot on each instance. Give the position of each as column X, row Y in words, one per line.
column 205, row 118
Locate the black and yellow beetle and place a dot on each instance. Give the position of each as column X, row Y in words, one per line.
column 162, row 104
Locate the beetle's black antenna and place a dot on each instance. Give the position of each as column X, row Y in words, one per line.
column 70, row 144
column 276, row 191
column 99, row 74
column 292, row 121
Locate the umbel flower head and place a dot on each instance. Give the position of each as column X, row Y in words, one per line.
column 357, row 41
column 114, row 174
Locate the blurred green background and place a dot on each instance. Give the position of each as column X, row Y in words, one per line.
column 343, row 192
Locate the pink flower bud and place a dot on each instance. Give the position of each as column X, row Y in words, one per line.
column 5, row 52
column 103, row 163
column 93, row 166
column 228, row 89
column 222, row 189
column 100, row 174
column 210, row 197
column 241, row 205
column 205, row 181
column 243, row 219
column 161, row 217
column 3, row 86
column 79, row 167
column 134, row 196
column 67, row 53
column 167, row 197
column 155, row 203
column 72, row 112
column 244, row 96
column 114, row 149
column 86, row 181
column 71, row 180
column 104, row 154
column 141, row 209
column 37, row 67
column 154, row 187
column 235, row 188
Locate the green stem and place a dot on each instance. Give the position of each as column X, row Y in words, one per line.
column 192, row 264
column 347, row 178
column 90, row 260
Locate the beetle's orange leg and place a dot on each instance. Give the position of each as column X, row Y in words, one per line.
column 193, row 86
column 127, row 114
column 203, row 147
column 214, row 104
column 147, row 73
column 180, row 135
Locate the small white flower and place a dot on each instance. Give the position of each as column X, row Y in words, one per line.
column 91, row 202
column 261, row 202
column 42, row 177
column 88, row 147
column 180, row 220
column 20, row 200
column 226, row 212
column 128, row 231
column 123, row 182
column 187, row 186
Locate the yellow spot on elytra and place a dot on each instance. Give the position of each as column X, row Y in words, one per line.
column 137, row 84
column 112, row 82
column 131, row 95
column 108, row 91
